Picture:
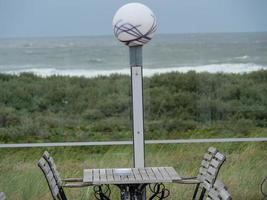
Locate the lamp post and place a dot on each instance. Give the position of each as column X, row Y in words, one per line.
column 134, row 24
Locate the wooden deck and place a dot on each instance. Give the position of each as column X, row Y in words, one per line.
column 130, row 175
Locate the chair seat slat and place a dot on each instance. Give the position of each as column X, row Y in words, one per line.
column 218, row 192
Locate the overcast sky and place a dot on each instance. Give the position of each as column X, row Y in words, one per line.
column 35, row 18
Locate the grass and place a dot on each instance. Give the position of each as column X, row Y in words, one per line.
column 243, row 171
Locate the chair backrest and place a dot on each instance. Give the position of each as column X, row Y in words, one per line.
column 53, row 186
column 213, row 170
column 206, row 163
column 208, row 171
column 53, row 167
column 2, row 196
column 218, row 192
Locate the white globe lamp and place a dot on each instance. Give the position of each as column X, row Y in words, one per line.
column 134, row 24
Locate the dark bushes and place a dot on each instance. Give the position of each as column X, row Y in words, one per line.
column 62, row 107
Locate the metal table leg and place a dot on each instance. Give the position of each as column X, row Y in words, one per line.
column 132, row 191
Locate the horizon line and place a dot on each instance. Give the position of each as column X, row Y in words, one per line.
column 111, row 35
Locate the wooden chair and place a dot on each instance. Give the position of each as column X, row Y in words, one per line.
column 203, row 168
column 208, row 172
column 2, row 196
column 55, row 184
column 218, row 192
column 55, row 189
column 60, row 181
column 211, row 174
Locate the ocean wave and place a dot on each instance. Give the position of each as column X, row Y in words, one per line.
column 213, row 68
column 94, row 60
column 242, row 57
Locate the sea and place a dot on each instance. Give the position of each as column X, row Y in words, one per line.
column 103, row 55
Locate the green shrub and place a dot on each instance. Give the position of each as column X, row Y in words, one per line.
column 69, row 108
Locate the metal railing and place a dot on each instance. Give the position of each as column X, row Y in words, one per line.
column 116, row 143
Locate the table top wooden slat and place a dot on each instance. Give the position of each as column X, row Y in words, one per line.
column 103, row 175
column 110, row 177
column 151, row 174
column 89, row 177
column 137, row 174
column 164, row 173
column 171, row 171
column 133, row 176
column 157, row 173
column 96, row 177
column 125, row 178
column 143, row 173
column 117, row 177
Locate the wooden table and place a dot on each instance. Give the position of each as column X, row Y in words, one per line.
column 131, row 181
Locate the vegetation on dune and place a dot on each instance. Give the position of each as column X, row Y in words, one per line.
column 177, row 105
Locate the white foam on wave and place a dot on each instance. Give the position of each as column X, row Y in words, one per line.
column 242, row 57
column 45, row 72
column 213, row 68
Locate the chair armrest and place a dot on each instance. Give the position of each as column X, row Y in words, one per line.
column 189, row 178
column 76, row 185
column 72, row 180
column 187, row 181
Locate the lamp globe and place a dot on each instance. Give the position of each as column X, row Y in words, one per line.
column 134, row 24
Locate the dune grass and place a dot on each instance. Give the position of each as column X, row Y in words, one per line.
column 20, row 178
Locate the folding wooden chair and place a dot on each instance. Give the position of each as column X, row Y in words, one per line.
column 208, row 172
column 55, row 189
column 53, row 167
column 211, row 174
column 55, row 184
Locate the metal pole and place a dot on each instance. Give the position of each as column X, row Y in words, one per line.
column 136, row 63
